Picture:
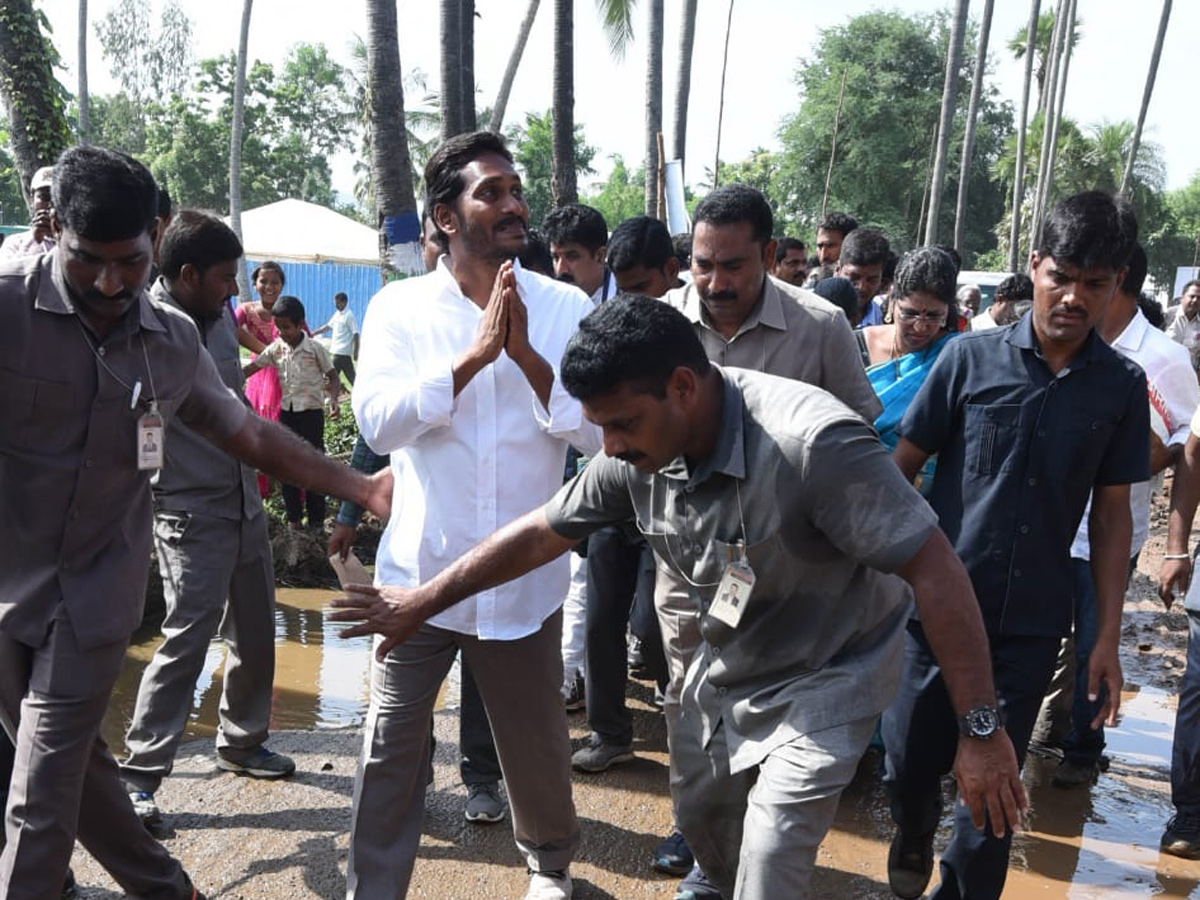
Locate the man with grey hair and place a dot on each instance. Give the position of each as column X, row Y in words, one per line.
column 969, row 298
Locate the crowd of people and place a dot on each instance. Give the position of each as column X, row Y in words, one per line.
column 825, row 503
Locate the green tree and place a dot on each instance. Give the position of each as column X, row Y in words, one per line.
column 620, row 196
column 532, row 145
column 894, row 66
column 13, row 210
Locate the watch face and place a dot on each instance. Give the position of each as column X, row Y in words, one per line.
column 982, row 721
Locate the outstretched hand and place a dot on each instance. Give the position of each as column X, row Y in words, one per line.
column 391, row 612
column 1175, row 575
column 989, row 782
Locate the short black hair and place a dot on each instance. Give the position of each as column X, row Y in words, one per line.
column 1092, row 229
column 1135, row 276
column 103, row 195
column 199, row 239
column 575, row 223
column 949, row 250
column 269, row 265
column 164, row 203
column 1015, row 287
column 864, row 247
column 890, row 262
column 1195, row 282
column 842, row 223
column 1152, row 310
column 682, row 243
column 536, row 255
column 640, row 241
column 732, row 204
column 289, row 307
column 930, row 270
column 840, row 292
column 341, row 295
column 785, row 245
column 630, row 340
column 444, row 182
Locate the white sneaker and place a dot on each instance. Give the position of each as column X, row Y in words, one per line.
column 549, row 886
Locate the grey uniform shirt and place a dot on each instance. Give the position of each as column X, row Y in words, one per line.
column 791, row 333
column 826, row 513
column 196, row 476
column 75, row 511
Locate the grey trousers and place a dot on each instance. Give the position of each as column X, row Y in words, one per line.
column 65, row 783
column 519, row 682
column 217, row 578
column 756, row 833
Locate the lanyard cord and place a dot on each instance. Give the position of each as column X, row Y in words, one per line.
column 135, row 389
column 667, row 535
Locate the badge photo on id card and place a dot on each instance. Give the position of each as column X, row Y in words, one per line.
column 150, row 441
column 733, row 593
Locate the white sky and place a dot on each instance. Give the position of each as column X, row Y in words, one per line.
column 1107, row 75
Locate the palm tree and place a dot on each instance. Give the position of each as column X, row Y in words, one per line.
column 654, row 92
column 235, row 141
column 391, row 169
column 466, row 56
column 85, row 116
column 954, row 52
column 1056, row 122
column 562, row 180
column 1014, row 236
column 968, row 150
column 1041, row 47
column 514, row 61
column 1150, row 76
column 1055, row 62
column 452, row 99
column 683, row 80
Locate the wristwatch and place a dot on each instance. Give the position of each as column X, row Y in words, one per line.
column 980, row 723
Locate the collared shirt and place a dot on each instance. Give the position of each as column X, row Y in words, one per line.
column 1019, row 449
column 983, row 321
column 342, row 331
column 1186, row 332
column 873, row 315
column 1171, row 385
column 196, row 475
column 74, row 508
column 791, row 333
column 824, row 513
column 466, row 465
column 607, row 290
column 24, row 245
column 302, row 371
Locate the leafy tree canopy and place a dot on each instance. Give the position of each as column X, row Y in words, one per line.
column 531, row 142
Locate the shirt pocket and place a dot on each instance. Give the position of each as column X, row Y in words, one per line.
column 33, row 413
column 1085, row 437
column 992, row 437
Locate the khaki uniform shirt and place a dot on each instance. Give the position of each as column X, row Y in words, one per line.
column 197, row 476
column 825, row 513
column 791, row 333
column 301, row 372
column 75, row 511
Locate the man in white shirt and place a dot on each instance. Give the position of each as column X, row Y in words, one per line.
column 578, row 237
column 1185, row 327
column 343, row 336
column 459, row 384
column 1171, row 385
column 1009, row 294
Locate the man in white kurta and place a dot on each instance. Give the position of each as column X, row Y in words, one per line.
column 458, row 382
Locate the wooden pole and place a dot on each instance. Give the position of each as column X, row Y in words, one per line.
column 721, row 107
column 661, row 212
column 837, row 119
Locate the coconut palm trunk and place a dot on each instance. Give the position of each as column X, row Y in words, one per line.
column 654, row 92
column 514, row 62
column 1150, row 76
column 466, row 56
column 83, row 99
column 235, row 142
column 391, row 168
column 451, row 71
column 1014, row 236
column 954, row 53
column 968, row 150
column 1056, row 120
column 562, row 180
column 683, row 81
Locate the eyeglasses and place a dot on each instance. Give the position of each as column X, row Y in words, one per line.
column 924, row 318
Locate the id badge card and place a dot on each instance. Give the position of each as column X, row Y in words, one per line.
column 150, row 441
column 733, row 593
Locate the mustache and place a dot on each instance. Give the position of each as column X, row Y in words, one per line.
column 631, row 456
column 719, row 295
column 567, row 277
column 95, row 296
column 511, row 220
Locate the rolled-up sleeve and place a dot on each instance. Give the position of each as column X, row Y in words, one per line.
column 565, row 419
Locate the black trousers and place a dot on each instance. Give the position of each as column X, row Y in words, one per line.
column 310, row 425
column 620, row 568
column 920, row 732
column 344, row 364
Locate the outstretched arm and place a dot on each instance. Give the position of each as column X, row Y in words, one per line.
column 1176, row 571
column 395, row 612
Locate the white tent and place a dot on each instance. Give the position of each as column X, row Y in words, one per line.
column 296, row 231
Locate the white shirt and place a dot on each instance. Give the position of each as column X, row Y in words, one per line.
column 607, row 290
column 1174, row 394
column 1184, row 331
column 466, row 465
column 983, row 321
column 343, row 328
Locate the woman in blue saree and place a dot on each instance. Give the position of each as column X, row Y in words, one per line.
column 900, row 354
